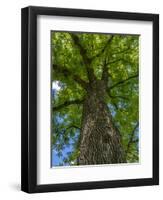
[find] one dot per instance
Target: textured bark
(100, 141)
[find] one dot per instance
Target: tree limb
(73, 126)
(83, 51)
(68, 103)
(123, 81)
(114, 61)
(105, 74)
(117, 60)
(123, 51)
(86, 59)
(104, 48)
(117, 96)
(64, 71)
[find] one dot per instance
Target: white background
(10, 78)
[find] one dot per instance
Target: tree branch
(73, 126)
(104, 48)
(83, 52)
(123, 81)
(117, 60)
(105, 74)
(68, 103)
(117, 96)
(86, 59)
(64, 71)
(123, 51)
(114, 61)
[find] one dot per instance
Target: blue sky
(56, 160)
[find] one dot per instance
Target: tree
(95, 111)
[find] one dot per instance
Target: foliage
(69, 73)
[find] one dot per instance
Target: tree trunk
(100, 141)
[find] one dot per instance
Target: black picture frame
(29, 99)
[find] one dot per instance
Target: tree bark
(100, 141)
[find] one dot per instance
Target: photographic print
(94, 98)
(89, 99)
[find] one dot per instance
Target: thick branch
(86, 59)
(83, 51)
(65, 72)
(116, 96)
(104, 48)
(123, 81)
(68, 103)
(105, 74)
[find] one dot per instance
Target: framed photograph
(90, 99)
